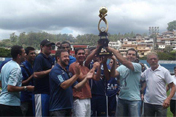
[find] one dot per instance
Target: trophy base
(103, 52)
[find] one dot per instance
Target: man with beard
(130, 73)
(61, 84)
(11, 78)
(27, 72)
(42, 67)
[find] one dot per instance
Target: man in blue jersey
(42, 67)
(130, 73)
(98, 87)
(61, 84)
(112, 91)
(99, 92)
(27, 72)
(11, 78)
(66, 45)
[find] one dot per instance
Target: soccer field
(169, 114)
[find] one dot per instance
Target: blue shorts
(41, 105)
(98, 105)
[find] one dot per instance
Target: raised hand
(113, 57)
(96, 65)
(112, 50)
(90, 74)
(109, 49)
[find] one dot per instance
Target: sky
(78, 17)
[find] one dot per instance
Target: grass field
(169, 114)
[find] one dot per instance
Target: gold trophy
(103, 33)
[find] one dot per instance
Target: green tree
(13, 38)
(168, 49)
(22, 39)
(5, 52)
(6, 43)
(171, 26)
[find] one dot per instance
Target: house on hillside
(143, 49)
(114, 44)
(123, 49)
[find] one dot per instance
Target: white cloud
(5, 34)
(81, 16)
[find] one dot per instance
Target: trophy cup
(103, 33)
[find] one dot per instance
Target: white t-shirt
(156, 85)
(174, 79)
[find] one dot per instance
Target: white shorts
(81, 108)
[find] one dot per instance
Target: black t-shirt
(42, 63)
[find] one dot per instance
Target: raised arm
(114, 72)
(105, 71)
(122, 60)
(97, 66)
(91, 56)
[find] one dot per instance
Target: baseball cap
(46, 42)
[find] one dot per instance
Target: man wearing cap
(42, 66)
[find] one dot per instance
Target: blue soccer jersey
(60, 98)
(27, 71)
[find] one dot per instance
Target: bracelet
(25, 88)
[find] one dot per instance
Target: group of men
(156, 77)
(68, 85)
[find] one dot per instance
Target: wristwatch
(25, 88)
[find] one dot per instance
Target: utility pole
(153, 32)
